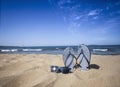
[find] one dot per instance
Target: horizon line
(54, 45)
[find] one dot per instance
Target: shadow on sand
(94, 66)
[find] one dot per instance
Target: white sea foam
(14, 50)
(32, 50)
(57, 48)
(100, 50)
(9, 50)
(6, 50)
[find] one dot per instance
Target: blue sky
(59, 22)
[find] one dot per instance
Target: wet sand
(32, 70)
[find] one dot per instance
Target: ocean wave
(9, 50)
(103, 50)
(26, 50)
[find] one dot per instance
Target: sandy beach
(33, 70)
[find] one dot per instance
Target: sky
(59, 22)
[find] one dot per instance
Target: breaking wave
(103, 50)
(9, 50)
(31, 50)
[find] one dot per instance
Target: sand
(33, 70)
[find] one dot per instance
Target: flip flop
(84, 58)
(68, 57)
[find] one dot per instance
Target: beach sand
(33, 70)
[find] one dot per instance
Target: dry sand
(32, 70)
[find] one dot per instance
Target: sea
(94, 49)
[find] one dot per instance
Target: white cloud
(61, 3)
(78, 17)
(93, 12)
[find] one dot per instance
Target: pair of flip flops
(82, 59)
(58, 69)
